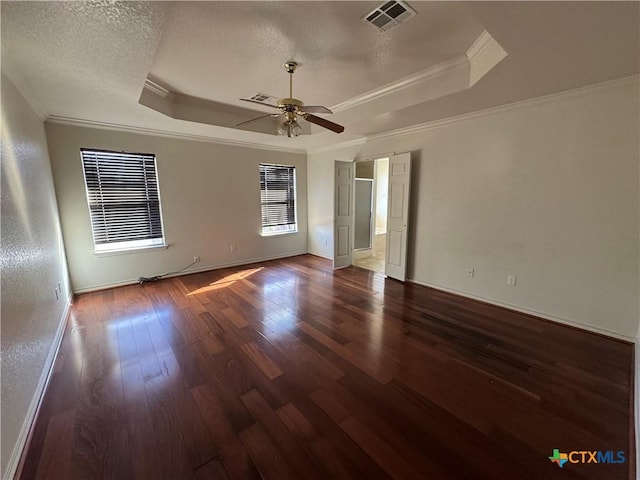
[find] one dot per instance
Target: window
(278, 198)
(124, 200)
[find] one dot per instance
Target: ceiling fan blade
(334, 127)
(316, 109)
(259, 103)
(257, 118)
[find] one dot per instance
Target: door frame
(371, 217)
(407, 226)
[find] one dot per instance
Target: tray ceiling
(88, 62)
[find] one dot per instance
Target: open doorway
(370, 214)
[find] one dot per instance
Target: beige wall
(210, 196)
(546, 191)
(32, 266)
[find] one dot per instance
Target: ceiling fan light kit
(293, 109)
(289, 129)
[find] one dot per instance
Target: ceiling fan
(292, 109)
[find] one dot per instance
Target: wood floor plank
(350, 454)
(330, 405)
(146, 353)
(144, 454)
(233, 454)
(377, 449)
(297, 458)
(128, 352)
(377, 371)
(200, 446)
(172, 458)
(161, 345)
(234, 317)
(225, 374)
(212, 344)
(213, 326)
(289, 369)
(262, 361)
(316, 446)
(99, 448)
(212, 470)
(54, 463)
(268, 459)
(297, 351)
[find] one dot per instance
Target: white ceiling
(88, 62)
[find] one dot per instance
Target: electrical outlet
(196, 259)
(232, 247)
(511, 280)
(471, 272)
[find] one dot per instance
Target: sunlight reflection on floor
(226, 281)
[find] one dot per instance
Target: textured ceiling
(71, 52)
(89, 61)
(226, 50)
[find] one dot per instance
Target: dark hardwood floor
(288, 370)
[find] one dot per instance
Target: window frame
(274, 230)
(131, 245)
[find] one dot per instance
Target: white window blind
(124, 199)
(278, 198)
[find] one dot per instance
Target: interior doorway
(370, 214)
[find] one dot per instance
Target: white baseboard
(217, 266)
(564, 321)
(321, 255)
(34, 406)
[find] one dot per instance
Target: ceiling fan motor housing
(290, 104)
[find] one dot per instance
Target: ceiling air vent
(389, 15)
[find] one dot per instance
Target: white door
(398, 216)
(343, 215)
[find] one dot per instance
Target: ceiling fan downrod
(290, 67)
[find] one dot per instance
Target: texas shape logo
(559, 458)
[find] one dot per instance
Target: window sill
(126, 251)
(277, 234)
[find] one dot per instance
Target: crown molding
(483, 55)
(422, 127)
(577, 92)
(404, 83)
(77, 122)
(573, 93)
(157, 89)
(484, 41)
